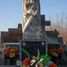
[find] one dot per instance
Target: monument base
(34, 48)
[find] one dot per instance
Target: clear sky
(11, 11)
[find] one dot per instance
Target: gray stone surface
(32, 21)
(1, 58)
(8, 66)
(62, 65)
(33, 31)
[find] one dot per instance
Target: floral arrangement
(11, 52)
(55, 52)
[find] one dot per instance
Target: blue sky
(11, 11)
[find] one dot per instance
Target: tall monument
(31, 20)
(33, 36)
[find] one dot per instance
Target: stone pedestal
(34, 48)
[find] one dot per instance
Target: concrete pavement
(8, 66)
(62, 65)
(1, 58)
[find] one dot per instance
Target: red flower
(50, 51)
(60, 50)
(7, 51)
(26, 62)
(52, 65)
(16, 51)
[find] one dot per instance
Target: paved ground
(1, 58)
(16, 66)
(62, 65)
(7, 66)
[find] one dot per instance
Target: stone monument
(32, 20)
(33, 38)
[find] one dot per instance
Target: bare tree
(60, 23)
